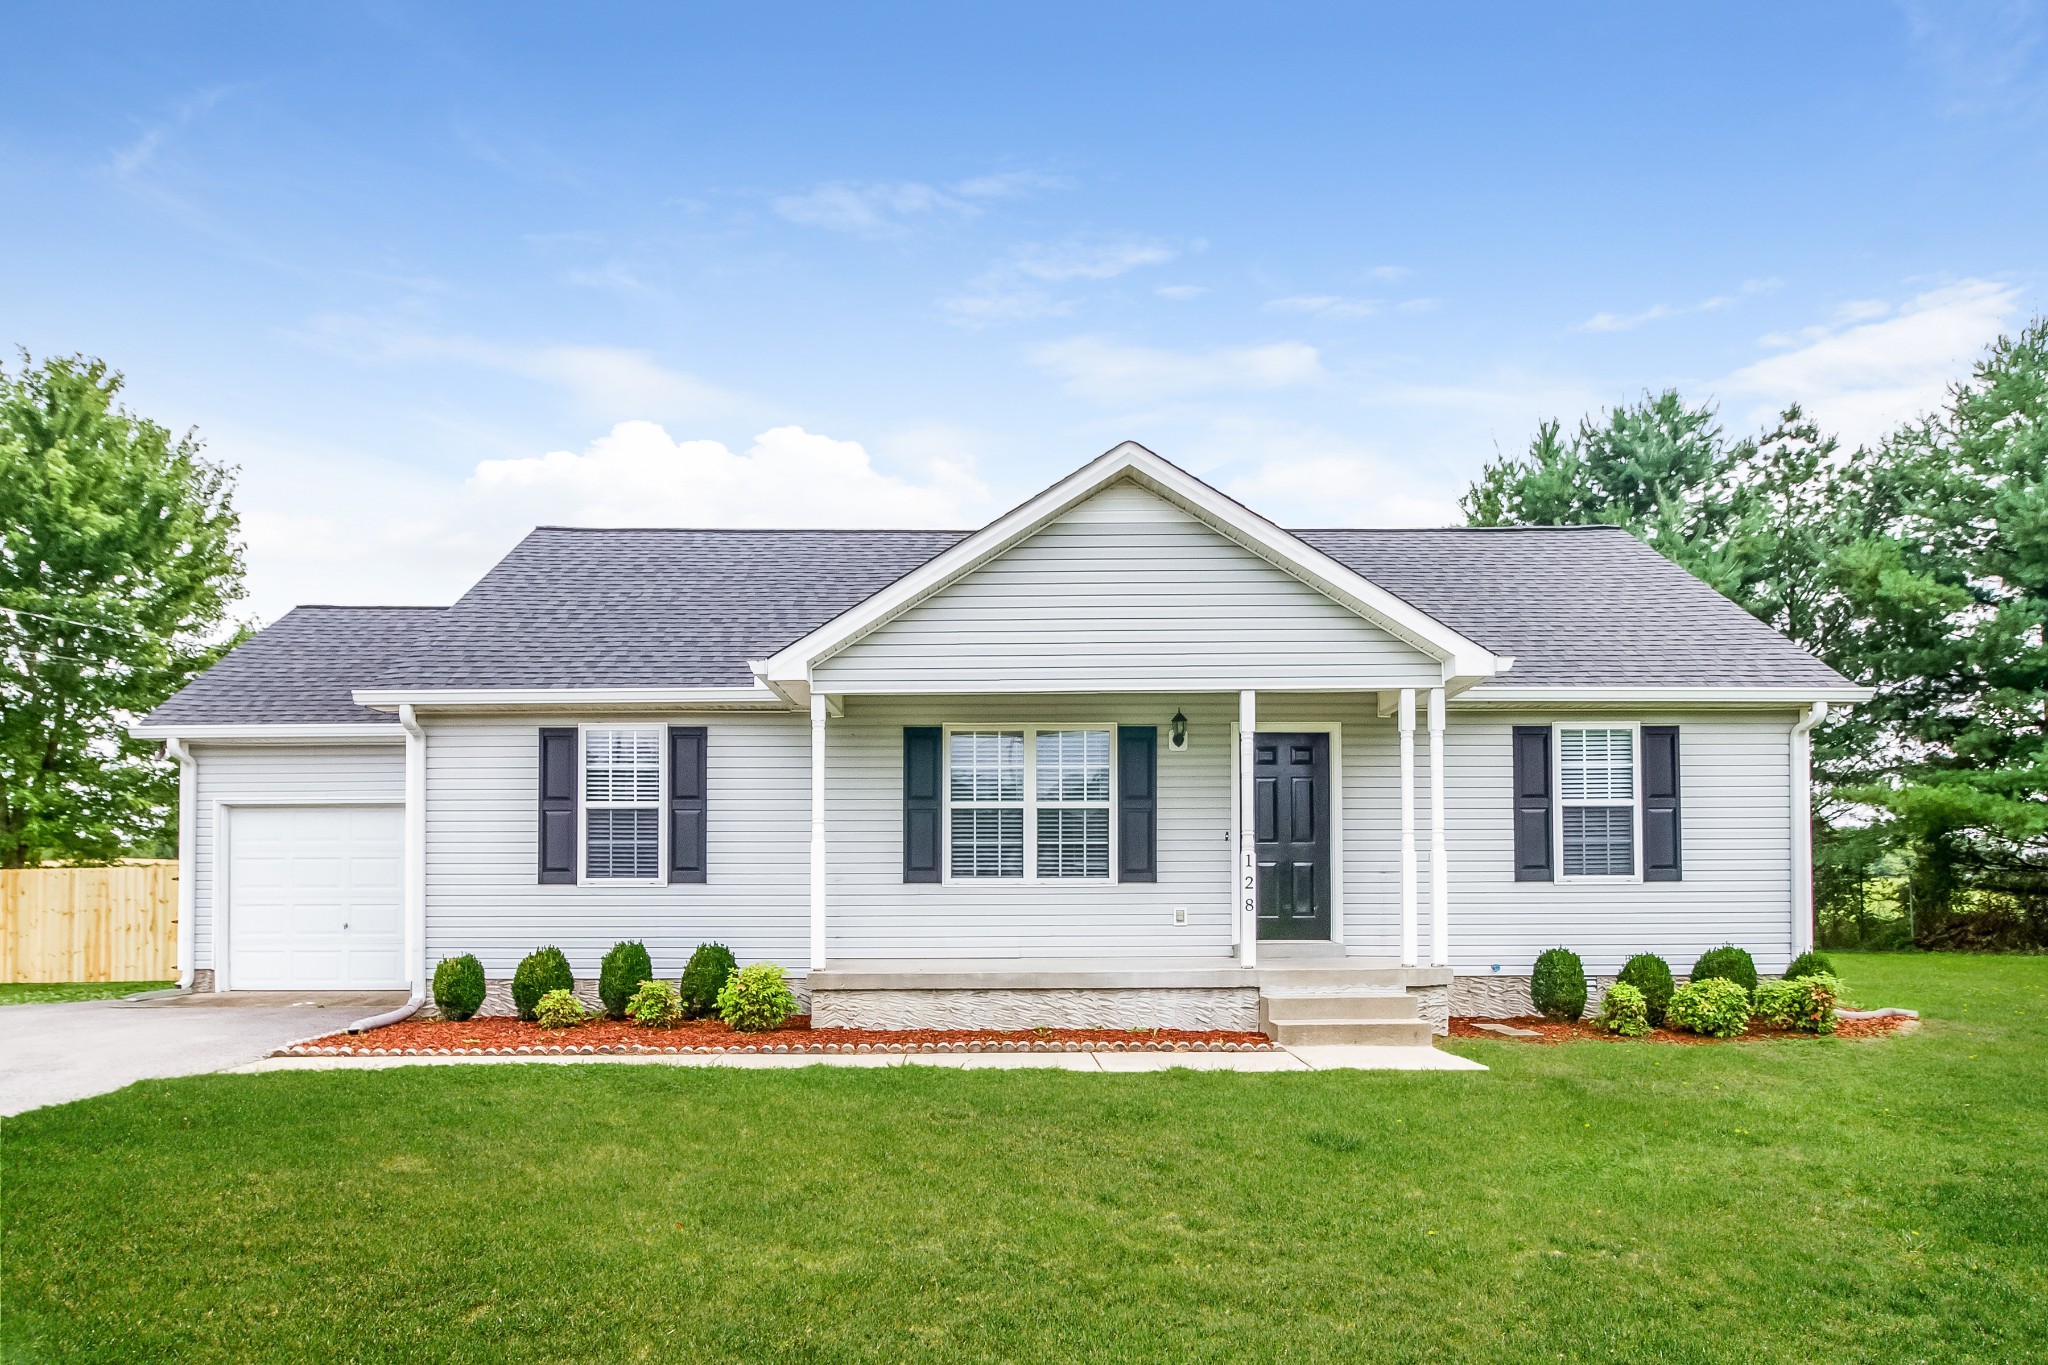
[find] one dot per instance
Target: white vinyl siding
(482, 892)
(875, 915)
(1126, 592)
(1736, 827)
(282, 773)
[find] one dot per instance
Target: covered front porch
(1131, 860)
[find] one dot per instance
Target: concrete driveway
(52, 1054)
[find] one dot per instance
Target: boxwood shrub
(1558, 985)
(1714, 1006)
(1728, 963)
(705, 977)
(1624, 1011)
(538, 973)
(1809, 963)
(1651, 975)
(459, 987)
(623, 969)
(756, 999)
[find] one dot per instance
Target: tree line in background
(1919, 568)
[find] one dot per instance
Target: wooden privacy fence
(115, 923)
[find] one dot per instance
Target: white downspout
(1245, 884)
(188, 874)
(1406, 722)
(415, 878)
(1802, 827)
(1439, 859)
(819, 711)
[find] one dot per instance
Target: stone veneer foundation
(1017, 1008)
(1507, 997)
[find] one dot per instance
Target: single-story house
(1129, 755)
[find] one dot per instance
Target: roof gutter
(556, 698)
(415, 878)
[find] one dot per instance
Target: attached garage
(315, 897)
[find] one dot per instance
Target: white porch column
(817, 831)
(1245, 881)
(1439, 863)
(1801, 813)
(1408, 871)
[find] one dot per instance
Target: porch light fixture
(1177, 736)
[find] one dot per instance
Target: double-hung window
(1597, 800)
(1030, 804)
(622, 804)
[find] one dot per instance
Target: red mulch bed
(501, 1035)
(1587, 1031)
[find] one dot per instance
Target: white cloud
(1389, 274)
(1085, 258)
(327, 525)
(639, 475)
(1107, 372)
(604, 380)
(1300, 474)
(1861, 377)
(1325, 306)
(885, 208)
(1181, 292)
(1009, 290)
(1628, 322)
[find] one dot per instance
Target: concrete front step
(1337, 978)
(1377, 1005)
(1384, 1032)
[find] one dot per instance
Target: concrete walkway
(53, 1054)
(1280, 1059)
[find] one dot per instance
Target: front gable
(1125, 591)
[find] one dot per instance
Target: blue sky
(430, 274)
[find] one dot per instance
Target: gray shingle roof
(572, 607)
(301, 669)
(1577, 605)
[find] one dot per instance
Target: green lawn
(1801, 1201)
(63, 992)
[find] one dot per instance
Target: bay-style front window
(1027, 803)
(1596, 790)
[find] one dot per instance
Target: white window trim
(583, 877)
(1635, 730)
(1031, 803)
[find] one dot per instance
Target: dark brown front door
(1291, 822)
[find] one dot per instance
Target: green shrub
(558, 1009)
(654, 1005)
(623, 969)
(1727, 963)
(537, 974)
(459, 987)
(1809, 963)
(705, 977)
(1651, 975)
(756, 999)
(1624, 1011)
(1558, 985)
(1714, 1006)
(1805, 1003)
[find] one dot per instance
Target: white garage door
(314, 898)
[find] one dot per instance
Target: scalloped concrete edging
(301, 1049)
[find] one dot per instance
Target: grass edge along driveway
(1808, 1200)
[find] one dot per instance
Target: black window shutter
(1137, 803)
(688, 859)
(1662, 847)
(558, 760)
(922, 809)
(1532, 803)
